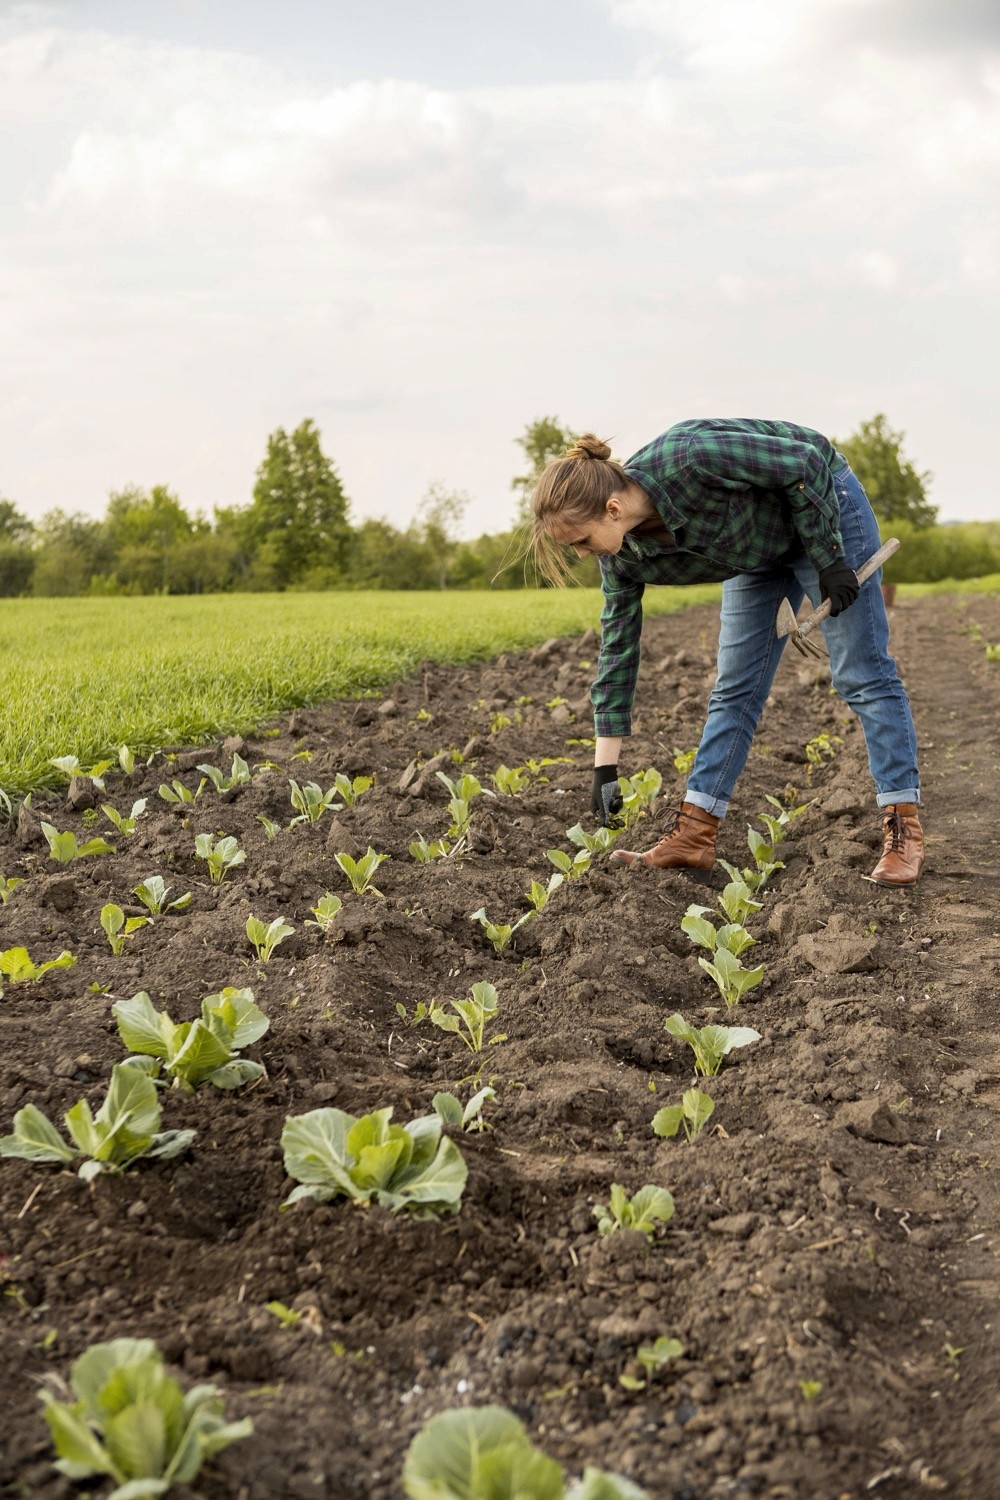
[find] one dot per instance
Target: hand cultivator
(788, 625)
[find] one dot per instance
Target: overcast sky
(425, 224)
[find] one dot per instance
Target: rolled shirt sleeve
(618, 667)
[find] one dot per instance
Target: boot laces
(895, 831)
(673, 826)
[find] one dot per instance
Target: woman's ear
(613, 507)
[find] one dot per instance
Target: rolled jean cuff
(889, 799)
(717, 806)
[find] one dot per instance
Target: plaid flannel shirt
(736, 494)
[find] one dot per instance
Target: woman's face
(600, 537)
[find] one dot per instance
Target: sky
(425, 225)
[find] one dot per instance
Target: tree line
(296, 532)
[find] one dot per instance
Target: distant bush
(934, 553)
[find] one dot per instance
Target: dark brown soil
(839, 1226)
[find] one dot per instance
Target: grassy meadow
(83, 676)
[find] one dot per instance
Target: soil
(836, 1223)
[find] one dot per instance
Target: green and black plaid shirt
(735, 493)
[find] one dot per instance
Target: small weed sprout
(648, 1207)
(538, 895)
(324, 912)
(286, 1316)
(360, 871)
(311, 802)
(810, 1389)
(993, 651)
(70, 767)
(125, 824)
(684, 760)
(220, 857)
(8, 887)
(64, 847)
(270, 827)
(153, 892)
(351, 790)
(653, 1358)
(17, 966)
(466, 1117)
(425, 853)
(819, 746)
(692, 1114)
(510, 781)
(499, 933)
(264, 939)
(178, 794)
(239, 775)
(710, 1044)
(118, 927)
(474, 1013)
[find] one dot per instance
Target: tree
(896, 491)
(69, 552)
(542, 441)
(297, 524)
(440, 515)
(17, 562)
(14, 527)
(145, 529)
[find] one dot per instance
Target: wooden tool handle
(865, 571)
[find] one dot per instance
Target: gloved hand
(839, 584)
(605, 794)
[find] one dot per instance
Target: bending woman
(773, 511)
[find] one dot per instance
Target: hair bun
(589, 446)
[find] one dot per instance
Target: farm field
(82, 675)
(831, 1265)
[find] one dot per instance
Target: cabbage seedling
(645, 1209)
(729, 974)
(499, 933)
(653, 1357)
(220, 857)
(712, 1043)
(271, 829)
(510, 781)
(8, 887)
(571, 868)
(64, 847)
(266, 939)
(594, 843)
(126, 759)
(239, 775)
(124, 823)
(311, 802)
(324, 912)
(351, 790)
(194, 1052)
(133, 1423)
(684, 760)
(126, 1126)
(693, 1112)
(737, 901)
(360, 871)
(474, 1013)
(705, 935)
(70, 767)
(152, 892)
(483, 1453)
(16, 965)
(409, 1168)
(424, 853)
(469, 1117)
(286, 1316)
(639, 792)
(178, 793)
(538, 895)
(118, 927)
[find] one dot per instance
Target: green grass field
(83, 676)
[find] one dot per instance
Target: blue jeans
(864, 674)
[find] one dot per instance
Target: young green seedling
(684, 760)
(239, 775)
(271, 829)
(425, 853)
(126, 1126)
(126, 759)
(324, 912)
(510, 781)
(810, 1389)
(194, 1052)
(351, 790)
(729, 974)
(710, 1044)
(648, 1207)
(538, 895)
(133, 1424)
(421, 1012)
(653, 1358)
(404, 1168)
(462, 792)
(571, 868)
(817, 747)
(179, 794)
(468, 1117)
(70, 767)
(286, 1316)
(737, 901)
(220, 857)
(17, 966)
(499, 933)
(594, 843)
(153, 891)
(360, 871)
(693, 1113)
(124, 823)
(311, 802)
(8, 887)
(704, 934)
(474, 1013)
(264, 939)
(64, 847)
(639, 792)
(118, 927)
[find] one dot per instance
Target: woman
(775, 511)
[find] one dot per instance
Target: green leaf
(136, 1438)
(35, 1138)
(667, 1121)
(140, 1489)
(94, 1368)
(698, 929)
(199, 1055)
(439, 1185)
(315, 1149)
(78, 1446)
(83, 1129)
(171, 1143)
(233, 1075)
(650, 1205)
(142, 1027)
(448, 1107)
(235, 1009)
(444, 1459)
(698, 1108)
(597, 1485)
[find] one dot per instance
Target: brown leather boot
(688, 844)
(902, 848)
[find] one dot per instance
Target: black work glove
(839, 584)
(605, 794)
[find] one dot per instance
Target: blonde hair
(574, 488)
